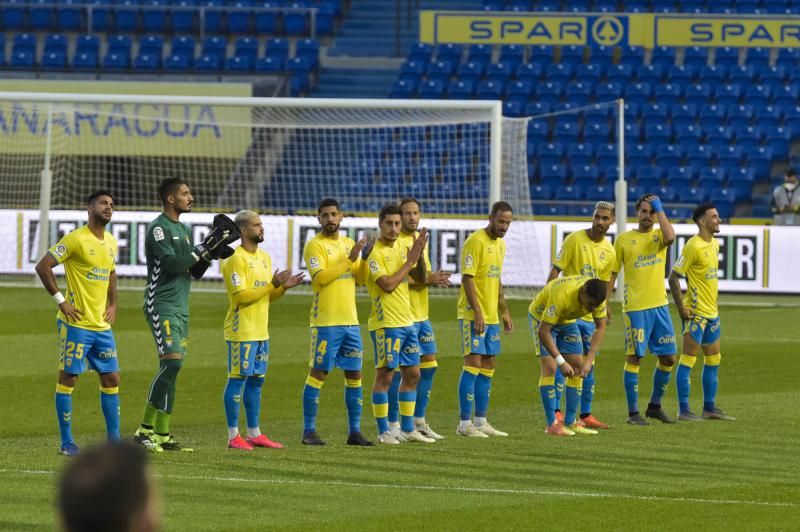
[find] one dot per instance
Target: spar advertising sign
(752, 258)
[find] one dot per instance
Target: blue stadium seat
(566, 132)
(25, 43)
(269, 22)
(471, 72)
(553, 175)
(120, 45)
(461, 90)
(154, 20)
(245, 47)
(22, 60)
(548, 92)
(682, 74)
(126, 16)
(761, 211)
(578, 93)
(652, 75)
(569, 193)
(680, 177)
(727, 94)
(580, 153)
(597, 134)
(788, 57)
(638, 93)
(238, 17)
(559, 73)
(621, 74)
(698, 156)
(449, 52)
(183, 16)
(207, 62)
(480, 53)
(656, 133)
(692, 195)
(724, 200)
(758, 57)
(14, 16)
(296, 23)
(668, 94)
(632, 55)
(608, 91)
(639, 155)
(611, 173)
(541, 54)
(785, 95)
(688, 134)
(589, 74)
(585, 176)
(84, 60)
(698, 94)
(711, 116)
(663, 56)
(177, 63)
(513, 108)
(550, 209)
(726, 56)
(602, 56)
(600, 193)
(683, 115)
(512, 54)
(183, 46)
(768, 116)
(529, 72)
(440, 71)
(779, 139)
(740, 115)
(773, 75)
(695, 56)
(212, 16)
(152, 45)
(420, 52)
(499, 72)
(633, 133)
(55, 43)
(401, 89)
(537, 108)
(792, 119)
(712, 178)
(666, 194)
(713, 74)
(550, 153)
(431, 89)
(114, 61)
(68, 18)
(741, 75)
(572, 55)
(741, 181)
(40, 17)
(489, 90)
(650, 174)
(583, 210)
(54, 60)
(538, 132)
(606, 154)
(668, 155)
(719, 137)
(541, 192)
(748, 137)
(144, 61)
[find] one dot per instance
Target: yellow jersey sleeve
(65, 247)
(619, 253)
(234, 271)
(334, 304)
(315, 257)
(388, 309)
(565, 255)
(247, 271)
(685, 260)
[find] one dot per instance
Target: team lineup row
(567, 318)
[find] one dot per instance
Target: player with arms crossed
(698, 263)
(84, 319)
(589, 253)
(559, 346)
(171, 263)
(643, 254)
(334, 264)
(251, 286)
(481, 306)
(391, 324)
(418, 294)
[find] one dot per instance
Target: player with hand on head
(251, 286)
(481, 306)
(588, 253)
(334, 264)
(85, 316)
(699, 311)
(643, 254)
(391, 324)
(172, 261)
(418, 294)
(559, 346)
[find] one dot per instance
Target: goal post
(279, 156)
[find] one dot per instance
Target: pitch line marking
(463, 489)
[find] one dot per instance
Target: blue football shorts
(80, 350)
(587, 331)
(472, 343)
(248, 358)
(395, 346)
(650, 328)
(425, 337)
(567, 338)
(704, 331)
(336, 346)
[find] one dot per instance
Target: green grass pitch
(707, 476)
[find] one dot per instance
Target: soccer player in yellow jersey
(589, 253)
(481, 306)
(699, 312)
(391, 324)
(334, 264)
(251, 286)
(643, 254)
(418, 294)
(558, 345)
(85, 339)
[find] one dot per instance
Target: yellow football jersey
(88, 263)
(644, 257)
(557, 303)
(580, 255)
(482, 258)
(699, 263)
(244, 271)
(334, 303)
(418, 295)
(388, 310)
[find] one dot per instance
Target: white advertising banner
(752, 258)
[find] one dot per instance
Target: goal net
(276, 156)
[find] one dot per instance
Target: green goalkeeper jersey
(168, 248)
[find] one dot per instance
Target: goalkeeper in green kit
(172, 261)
